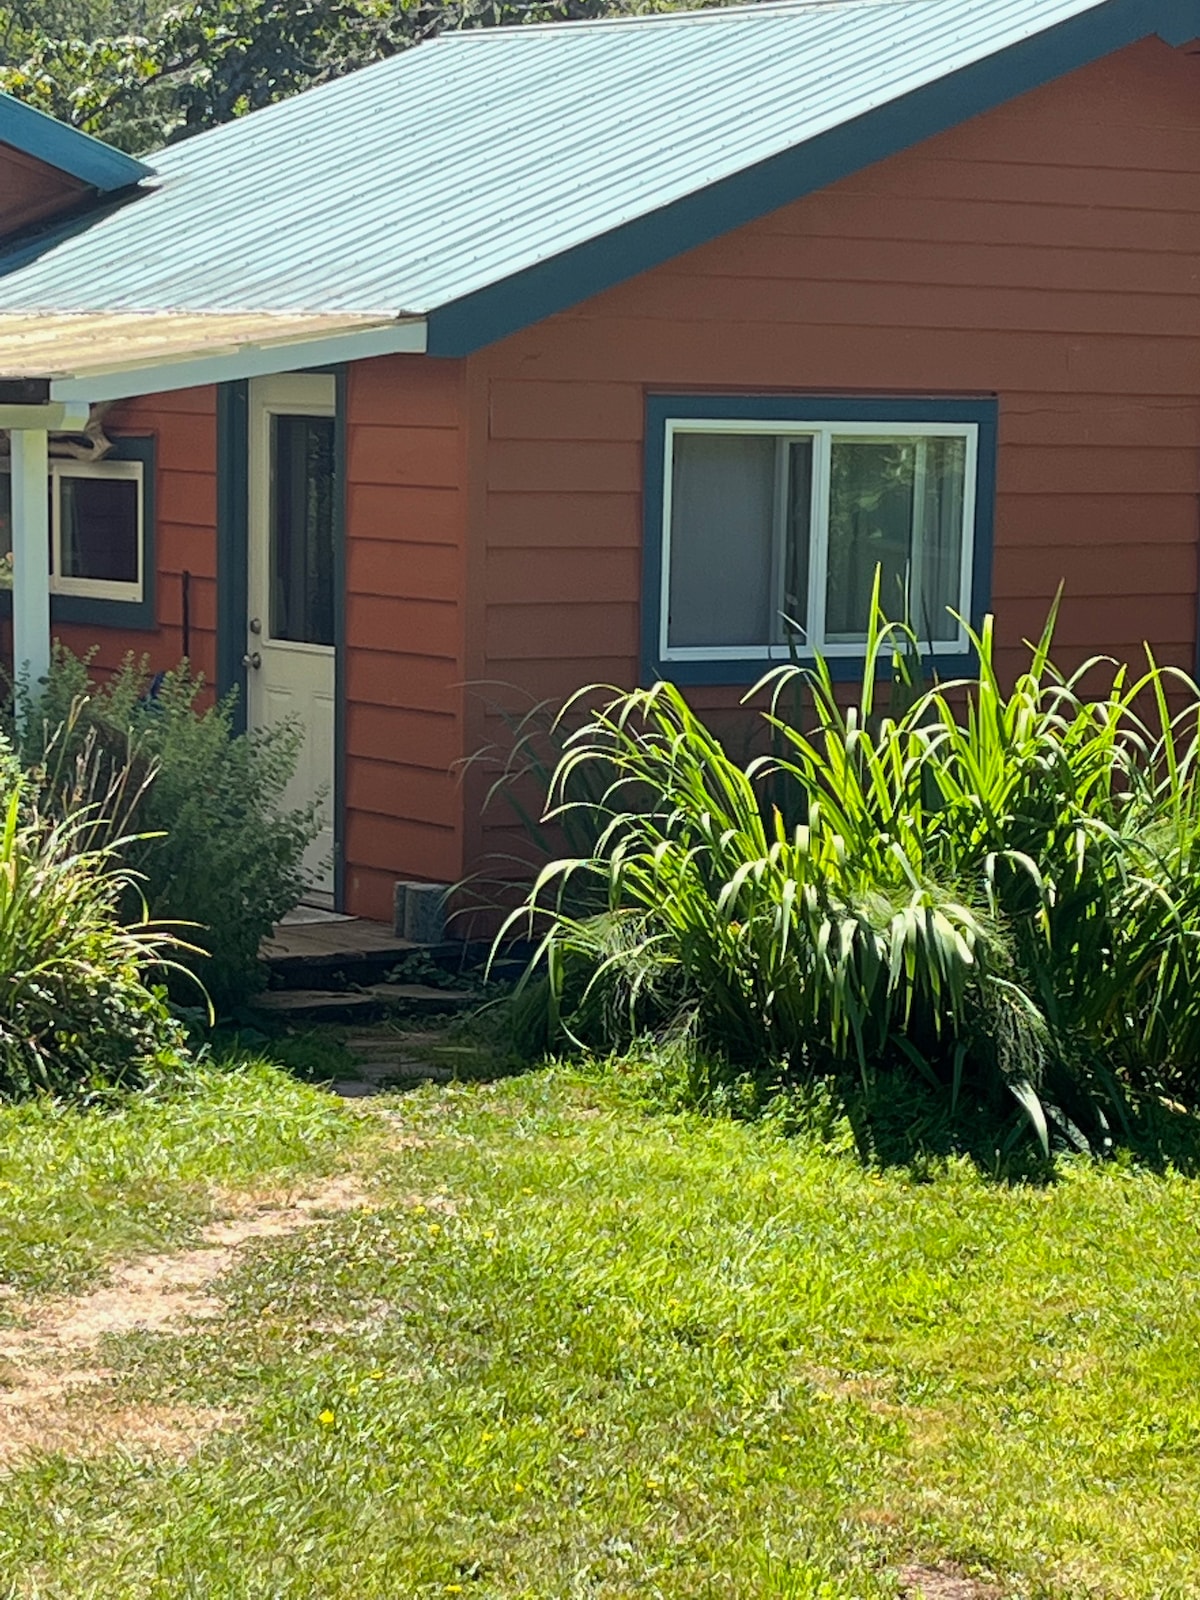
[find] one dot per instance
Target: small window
(96, 529)
(773, 527)
(98, 526)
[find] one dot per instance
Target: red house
(544, 355)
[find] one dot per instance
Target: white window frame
(96, 588)
(822, 434)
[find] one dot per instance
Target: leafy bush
(997, 891)
(76, 1011)
(208, 827)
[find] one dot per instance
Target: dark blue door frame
(233, 580)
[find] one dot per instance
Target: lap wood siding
(183, 427)
(31, 191)
(1047, 253)
(405, 588)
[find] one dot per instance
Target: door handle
(252, 659)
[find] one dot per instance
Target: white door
(292, 589)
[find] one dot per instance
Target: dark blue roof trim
(65, 148)
(528, 297)
(768, 408)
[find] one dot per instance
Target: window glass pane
(939, 555)
(99, 528)
(721, 582)
(895, 504)
(302, 529)
(799, 539)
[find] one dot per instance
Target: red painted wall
(405, 582)
(183, 426)
(31, 191)
(1047, 253)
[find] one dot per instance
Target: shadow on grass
(905, 1124)
(895, 1121)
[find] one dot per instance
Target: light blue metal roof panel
(66, 149)
(482, 157)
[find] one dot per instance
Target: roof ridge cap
(717, 12)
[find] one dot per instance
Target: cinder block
(400, 907)
(425, 912)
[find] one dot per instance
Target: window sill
(84, 610)
(746, 673)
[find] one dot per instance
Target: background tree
(141, 76)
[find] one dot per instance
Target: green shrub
(76, 1010)
(225, 851)
(998, 891)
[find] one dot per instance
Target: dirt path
(54, 1395)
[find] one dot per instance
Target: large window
(768, 519)
(100, 515)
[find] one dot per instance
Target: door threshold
(306, 914)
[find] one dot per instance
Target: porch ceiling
(108, 355)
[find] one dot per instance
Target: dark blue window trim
(123, 613)
(233, 578)
(66, 148)
(233, 509)
(527, 297)
(770, 408)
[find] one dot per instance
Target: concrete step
(377, 1000)
(423, 999)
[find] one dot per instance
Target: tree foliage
(140, 77)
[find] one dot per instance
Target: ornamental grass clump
(997, 890)
(79, 1010)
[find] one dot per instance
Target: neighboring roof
(489, 178)
(66, 149)
(90, 356)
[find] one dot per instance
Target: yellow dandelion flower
(327, 1419)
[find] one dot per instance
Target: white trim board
(246, 361)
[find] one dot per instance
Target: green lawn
(580, 1351)
(78, 1189)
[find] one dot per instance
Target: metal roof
(66, 149)
(489, 177)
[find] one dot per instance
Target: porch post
(31, 555)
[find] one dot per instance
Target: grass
(79, 1188)
(578, 1350)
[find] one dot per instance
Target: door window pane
(895, 505)
(721, 578)
(302, 483)
(99, 528)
